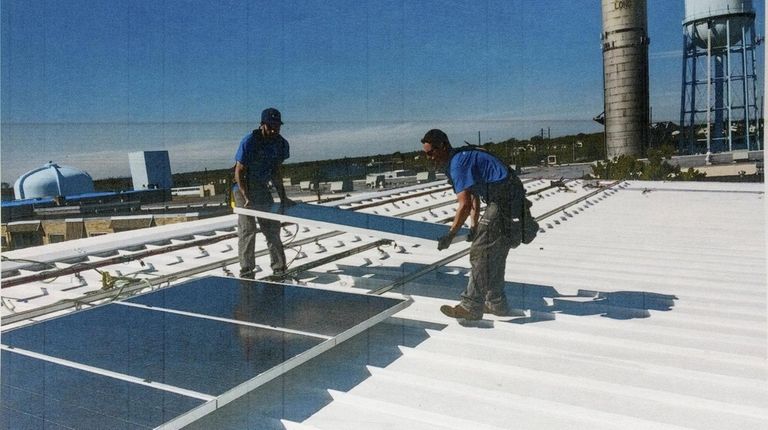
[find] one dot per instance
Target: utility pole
(573, 151)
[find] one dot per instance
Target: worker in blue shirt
(477, 175)
(258, 163)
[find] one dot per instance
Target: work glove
(444, 242)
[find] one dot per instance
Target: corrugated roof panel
(643, 310)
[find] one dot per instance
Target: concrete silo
(718, 108)
(625, 73)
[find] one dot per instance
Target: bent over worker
(258, 163)
(477, 175)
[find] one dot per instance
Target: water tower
(718, 107)
(625, 74)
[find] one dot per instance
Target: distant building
(23, 234)
(428, 176)
(195, 191)
(36, 222)
(150, 170)
(52, 180)
(7, 191)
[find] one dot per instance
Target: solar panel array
(173, 355)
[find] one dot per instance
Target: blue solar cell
(193, 353)
(39, 394)
(289, 306)
(356, 220)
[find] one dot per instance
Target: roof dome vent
(52, 180)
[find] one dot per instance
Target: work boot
(503, 311)
(460, 312)
(500, 310)
(247, 274)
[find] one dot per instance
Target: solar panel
(401, 229)
(173, 355)
(43, 394)
(298, 309)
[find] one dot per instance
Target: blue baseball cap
(271, 116)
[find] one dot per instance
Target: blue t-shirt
(261, 155)
(475, 170)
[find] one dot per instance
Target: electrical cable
(24, 260)
(288, 242)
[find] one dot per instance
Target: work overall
(259, 195)
(498, 230)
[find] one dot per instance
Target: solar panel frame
(399, 229)
(233, 392)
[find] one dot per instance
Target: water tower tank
(719, 109)
(703, 14)
(52, 180)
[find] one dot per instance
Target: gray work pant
(488, 256)
(246, 243)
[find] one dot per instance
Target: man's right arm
(464, 200)
(240, 171)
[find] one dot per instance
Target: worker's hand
(444, 242)
(472, 234)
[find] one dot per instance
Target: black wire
(293, 237)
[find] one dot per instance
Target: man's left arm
(277, 181)
(474, 217)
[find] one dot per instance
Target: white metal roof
(642, 306)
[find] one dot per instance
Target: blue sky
(86, 82)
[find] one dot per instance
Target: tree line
(537, 150)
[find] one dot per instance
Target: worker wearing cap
(476, 174)
(258, 163)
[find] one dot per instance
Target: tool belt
(519, 225)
